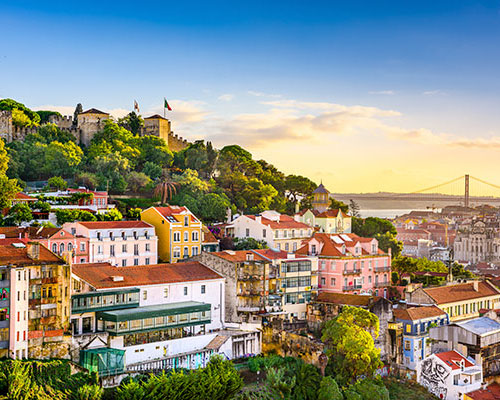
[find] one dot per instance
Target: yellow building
(178, 231)
(321, 198)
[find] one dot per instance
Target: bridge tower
(466, 197)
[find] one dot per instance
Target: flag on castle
(167, 106)
(136, 106)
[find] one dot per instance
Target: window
(203, 287)
(195, 251)
(70, 246)
(332, 282)
(147, 262)
(136, 261)
(111, 236)
(323, 264)
(82, 246)
(294, 246)
(186, 252)
(146, 234)
(407, 344)
(323, 281)
(54, 248)
(99, 237)
(145, 295)
(165, 292)
(279, 246)
(112, 250)
(177, 252)
(313, 249)
(185, 291)
(124, 263)
(99, 249)
(136, 249)
(286, 246)
(61, 248)
(263, 233)
(186, 236)
(186, 220)
(247, 232)
(148, 247)
(194, 236)
(177, 236)
(135, 235)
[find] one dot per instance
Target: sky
(364, 96)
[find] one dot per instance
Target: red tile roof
(25, 197)
(461, 292)
(315, 212)
(285, 222)
(331, 214)
(492, 392)
(452, 359)
(19, 256)
(208, 236)
(417, 313)
(115, 224)
(332, 249)
(100, 275)
(238, 255)
(276, 255)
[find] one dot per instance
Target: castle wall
(6, 126)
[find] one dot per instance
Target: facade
(89, 123)
(35, 302)
(349, 264)
(120, 243)
(460, 301)
(250, 283)
(209, 242)
(416, 322)
(296, 281)
(449, 375)
(327, 306)
(156, 125)
(478, 338)
(279, 231)
(334, 221)
(477, 242)
(152, 317)
(178, 229)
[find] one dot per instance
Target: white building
(449, 375)
(279, 231)
(121, 243)
(169, 315)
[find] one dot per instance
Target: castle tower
(321, 198)
(156, 125)
(89, 123)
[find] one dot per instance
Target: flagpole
(164, 109)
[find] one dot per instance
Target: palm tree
(166, 188)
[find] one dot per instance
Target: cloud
(183, 111)
(226, 97)
(262, 94)
(384, 92)
(436, 92)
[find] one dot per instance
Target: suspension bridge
(464, 190)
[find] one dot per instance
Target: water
(387, 213)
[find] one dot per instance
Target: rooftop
(284, 222)
(480, 326)
(461, 292)
(417, 313)
(453, 358)
(238, 255)
(115, 224)
(101, 275)
(12, 254)
(332, 214)
(491, 392)
(321, 189)
(94, 111)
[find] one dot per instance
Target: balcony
(383, 269)
(53, 279)
(351, 271)
(103, 301)
(154, 318)
(351, 287)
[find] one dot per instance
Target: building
(120, 243)
(34, 303)
(72, 248)
(459, 301)
(89, 123)
(449, 375)
(296, 281)
(156, 125)
(152, 317)
(349, 264)
(334, 221)
(209, 242)
(250, 287)
(178, 229)
(478, 241)
(327, 306)
(416, 322)
(491, 392)
(321, 199)
(478, 338)
(279, 231)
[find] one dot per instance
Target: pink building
(121, 243)
(57, 240)
(349, 263)
(99, 199)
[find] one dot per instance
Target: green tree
(62, 158)
(298, 187)
(134, 213)
(381, 229)
(329, 390)
(281, 386)
(52, 133)
(370, 389)
(57, 183)
(354, 208)
(307, 379)
(8, 187)
(78, 110)
(132, 122)
(11, 105)
(87, 179)
(138, 181)
(337, 204)
(45, 115)
(154, 171)
(131, 390)
(20, 119)
(18, 213)
(249, 244)
(112, 215)
(212, 207)
(349, 339)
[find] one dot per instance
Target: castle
(88, 123)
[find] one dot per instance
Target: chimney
(476, 286)
(33, 250)
(258, 219)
